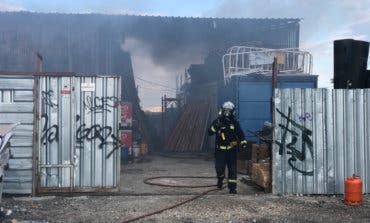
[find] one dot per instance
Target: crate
(261, 174)
(264, 152)
(260, 152)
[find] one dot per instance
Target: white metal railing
(242, 60)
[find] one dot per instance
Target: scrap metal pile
(5, 136)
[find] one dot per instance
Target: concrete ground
(136, 198)
(134, 174)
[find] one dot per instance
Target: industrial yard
(231, 112)
(215, 208)
(136, 198)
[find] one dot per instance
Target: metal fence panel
(79, 133)
(77, 129)
(16, 105)
(321, 136)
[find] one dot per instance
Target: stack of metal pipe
(190, 131)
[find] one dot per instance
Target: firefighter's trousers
(226, 158)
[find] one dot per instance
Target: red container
(353, 191)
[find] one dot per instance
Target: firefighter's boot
(219, 183)
(232, 191)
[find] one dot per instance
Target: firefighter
(228, 137)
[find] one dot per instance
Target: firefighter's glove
(243, 144)
(217, 124)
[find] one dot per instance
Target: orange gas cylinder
(353, 191)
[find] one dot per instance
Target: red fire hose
(148, 181)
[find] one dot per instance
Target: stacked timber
(254, 156)
(191, 128)
(259, 165)
(260, 152)
(264, 152)
(261, 174)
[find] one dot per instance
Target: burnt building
(92, 43)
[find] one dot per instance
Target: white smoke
(156, 77)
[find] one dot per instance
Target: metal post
(165, 119)
(40, 66)
(36, 180)
(274, 73)
(274, 85)
(162, 121)
(39, 61)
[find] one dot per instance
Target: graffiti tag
(296, 154)
(305, 117)
(51, 134)
(47, 98)
(101, 104)
(97, 132)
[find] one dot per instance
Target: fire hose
(149, 182)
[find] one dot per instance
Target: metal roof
(244, 19)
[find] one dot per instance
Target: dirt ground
(136, 198)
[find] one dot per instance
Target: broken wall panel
(16, 105)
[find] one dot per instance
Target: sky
(323, 21)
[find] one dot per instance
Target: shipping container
(321, 136)
(68, 139)
(252, 95)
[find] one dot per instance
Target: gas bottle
(353, 190)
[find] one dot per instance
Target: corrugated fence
(16, 105)
(68, 137)
(79, 133)
(321, 137)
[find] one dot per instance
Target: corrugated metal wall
(321, 137)
(79, 133)
(16, 105)
(77, 144)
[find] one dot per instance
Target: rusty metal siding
(332, 126)
(79, 133)
(16, 105)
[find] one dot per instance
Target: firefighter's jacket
(228, 133)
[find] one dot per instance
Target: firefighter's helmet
(228, 109)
